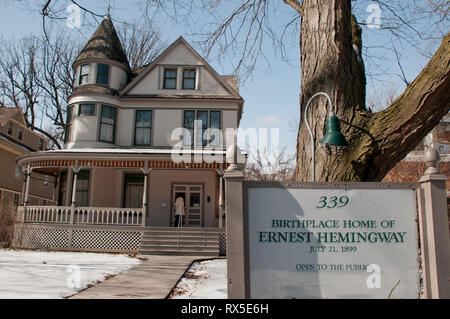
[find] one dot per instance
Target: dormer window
(102, 74)
(84, 74)
(170, 79)
(20, 134)
(41, 144)
(10, 128)
(189, 79)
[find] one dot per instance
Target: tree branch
(295, 5)
(394, 132)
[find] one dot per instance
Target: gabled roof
(104, 44)
(154, 63)
(11, 113)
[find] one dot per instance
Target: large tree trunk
(331, 62)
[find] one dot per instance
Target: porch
(120, 201)
(116, 188)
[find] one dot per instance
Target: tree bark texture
(330, 45)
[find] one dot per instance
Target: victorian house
(136, 140)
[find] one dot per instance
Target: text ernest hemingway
(351, 235)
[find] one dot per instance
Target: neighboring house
(116, 166)
(16, 140)
(411, 168)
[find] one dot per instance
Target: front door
(193, 203)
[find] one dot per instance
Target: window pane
(10, 128)
(170, 79)
(201, 138)
(189, 79)
(143, 128)
(87, 109)
(143, 118)
(82, 195)
(215, 119)
(84, 74)
(170, 83)
(20, 133)
(170, 73)
(189, 125)
(134, 189)
(215, 125)
(108, 123)
(102, 73)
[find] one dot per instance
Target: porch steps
(187, 241)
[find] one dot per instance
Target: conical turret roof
(104, 44)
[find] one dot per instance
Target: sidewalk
(152, 279)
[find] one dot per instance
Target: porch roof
(123, 158)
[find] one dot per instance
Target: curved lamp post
(333, 140)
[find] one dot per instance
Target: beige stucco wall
(165, 122)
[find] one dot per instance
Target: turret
(102, 66)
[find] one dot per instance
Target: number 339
(333, 202)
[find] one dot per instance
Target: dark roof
(104, 44)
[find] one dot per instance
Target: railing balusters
(84, 215)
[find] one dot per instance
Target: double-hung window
(20, 134)
(202, 120)
(189, 79)
(203, 128)
(170, 79)
(69, 120)
(215, 126)
(82, 194)
(84, 74)
(188, 124)
(107, 124)
(143, 127)
(102, 74)
(10, 128)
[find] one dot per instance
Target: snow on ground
(39, 274)
(204, 280)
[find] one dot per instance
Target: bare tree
(141, 44)
(332, 53)
(276, 166)
(36, 75)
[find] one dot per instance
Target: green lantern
(333, 136)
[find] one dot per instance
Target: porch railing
(83, 215)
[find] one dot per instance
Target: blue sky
(271, 93)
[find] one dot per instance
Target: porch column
(75, 170)
(146, 172)
(221, 197)
(434, 235)
(27, 191)
(237, 236)
(55, 186)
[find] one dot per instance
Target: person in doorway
(179, 211)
